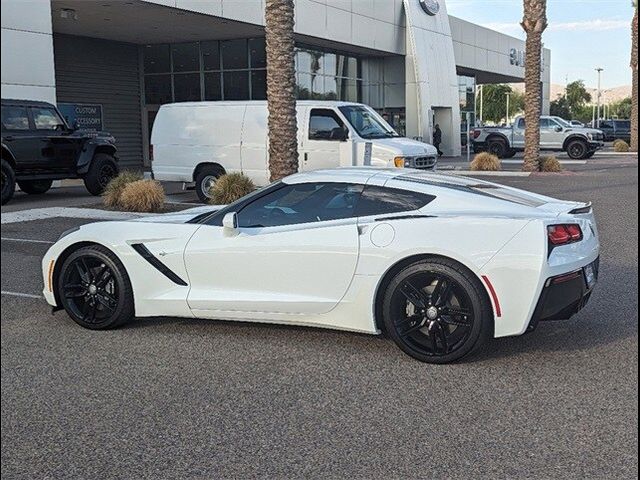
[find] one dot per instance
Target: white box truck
(200, 141)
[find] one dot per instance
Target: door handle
(9, 138)
(306, 157)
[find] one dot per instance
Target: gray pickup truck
(556, 135)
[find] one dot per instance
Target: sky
(582, 35)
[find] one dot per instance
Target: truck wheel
(35, 187)
(8, 182)
(590, 154)
(577, 149)
(510, 153)
(102, 170)
(497, 147)
(205, 179)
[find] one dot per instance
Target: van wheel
(8, 182)
(35, 187)
(206, 178)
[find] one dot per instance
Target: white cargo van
(198, 142)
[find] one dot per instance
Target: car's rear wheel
(95, 290)
(577, 149)
(205, 179)
(497, 147)
(8, 177)
(35, 187)
(102, 170)
(437, 311)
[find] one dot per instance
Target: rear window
(624, 124)
(380, 201)
(15, 118)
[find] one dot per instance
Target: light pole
(599, 70)
(508, 94)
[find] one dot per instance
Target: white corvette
(437, 262)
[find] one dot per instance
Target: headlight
(402, 162)
(68, 232)
(590, 136)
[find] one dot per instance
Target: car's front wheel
(102, 170)
(577, 149)
(437, 311)
(35, 187)
(94, 289)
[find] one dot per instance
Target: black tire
(8, 182)
(437, 311)
(100, 298)
(510, 153)
(35, 187)
(102, 170)
(590, 154)
(497, 147)
(577, 149)
(205, 178)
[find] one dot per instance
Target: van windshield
(367, 123)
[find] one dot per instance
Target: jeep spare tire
(35, 187)
(102, 170)
(8, 182)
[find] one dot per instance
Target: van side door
(326, 131)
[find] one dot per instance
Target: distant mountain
(609, 95)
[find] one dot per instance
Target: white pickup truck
(556, 134)
(198, 142)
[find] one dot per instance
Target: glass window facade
(467, 96)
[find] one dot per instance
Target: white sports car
(437, 262)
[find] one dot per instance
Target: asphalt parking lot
(174, 398)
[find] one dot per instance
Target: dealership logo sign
(431, 7)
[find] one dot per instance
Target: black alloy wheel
(497, 148)
(577, 149)
(95, 290)
(435, 313)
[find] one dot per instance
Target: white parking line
(23, 295)
(26, 240)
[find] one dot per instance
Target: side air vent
(157, 264)
(582, 210)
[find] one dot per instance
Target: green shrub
(486, 162)
(113, 190)
(620, 146)
(142, 196)
(550, 164)
(231, 187)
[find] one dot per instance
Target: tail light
(564, 234)
(476, 133)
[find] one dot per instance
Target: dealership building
(111, 64)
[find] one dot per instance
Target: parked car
(39, 147)
(616, 129)
(440, 263)
(199, 142)
(556, 135)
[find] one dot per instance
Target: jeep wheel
(205, 180)
(35, 187)
(102, 170)
(8, 182)
(497, 147)
(577, 149)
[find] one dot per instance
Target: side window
(325, 124)
(546, 123)
(381, 201)
(15, 118)
(302, 203)
(604, 124)
(521, 124)
(46, 119)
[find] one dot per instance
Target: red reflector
(494, 295)
(566, 278)
(563, 234)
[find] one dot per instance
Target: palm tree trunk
(281, 83)
(634, 83)
(534, 23)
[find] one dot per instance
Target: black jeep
(39, 147)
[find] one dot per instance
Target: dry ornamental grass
(142, 196)
(620, 146)
(231, 187)
(486, 162)
(550, 164)
(113, 191)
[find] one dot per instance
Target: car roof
(222, 103)
(25, 103)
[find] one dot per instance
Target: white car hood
(401, 146)
(180, 217)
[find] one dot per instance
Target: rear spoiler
(582, 210)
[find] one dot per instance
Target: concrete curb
(472, 173)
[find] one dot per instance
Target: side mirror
(230, 221)
(340, 134)
(559, 129)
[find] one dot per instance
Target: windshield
(367, 123)
(563, 122)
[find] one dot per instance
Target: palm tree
(634, 83)
(281, 84)
(534, 23)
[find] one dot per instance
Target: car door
(18, 135)
(59, 150)
(294, 253)
(518, 133)
(326, 132)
